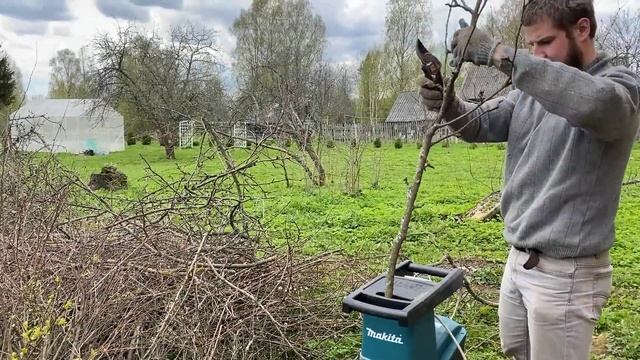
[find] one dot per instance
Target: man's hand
(431, 94)
(479, 51)
(432, 98)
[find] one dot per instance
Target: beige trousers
(549, 312)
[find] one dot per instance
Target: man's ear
(583, 29)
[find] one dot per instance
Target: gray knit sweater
(569, 134)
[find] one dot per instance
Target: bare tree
(372, 88)
(333, 87)
(69, 75)
(504, 22)
(406, 21)
(619, 39)
(276, 69)
(165, 81)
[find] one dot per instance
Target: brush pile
(181, 271)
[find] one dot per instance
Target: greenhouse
(67, 125)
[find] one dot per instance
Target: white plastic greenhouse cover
(67, 125)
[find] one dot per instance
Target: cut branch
(427, 142)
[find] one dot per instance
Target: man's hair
(562, 13)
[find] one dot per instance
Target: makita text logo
(384, 337)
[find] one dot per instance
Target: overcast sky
(32, 31)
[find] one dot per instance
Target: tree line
(281, 72)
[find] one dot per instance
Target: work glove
(480, 49)
(431, 94)
(432, 98)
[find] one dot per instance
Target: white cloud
(21, 27)
(168, 4)
(122, 9)
(61, 30)
(36, 10)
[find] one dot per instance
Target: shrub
(287, 142)
(397, 144)
(473, 146)
(354, 143)
(196, 143)
(445, 144)
(131, 138)
(377, 143)
(331, 144)
(419, 144)
(146, 139)
(501, 146)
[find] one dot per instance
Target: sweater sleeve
(488, 123)
(606, 105)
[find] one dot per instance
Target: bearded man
(569, 126)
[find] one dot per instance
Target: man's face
(547, 41)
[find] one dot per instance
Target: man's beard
(575, 55)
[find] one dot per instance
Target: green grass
(364, 226)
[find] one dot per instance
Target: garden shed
(408, 109)
(407, 116)
(67, 125)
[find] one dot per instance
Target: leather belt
(534, 257)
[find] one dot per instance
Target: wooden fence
(407, 132)
(410, 131)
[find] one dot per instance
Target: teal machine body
(405, 327)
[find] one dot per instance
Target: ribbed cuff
(455, 110)
(506, 62)
(492, 52)
(485, 53)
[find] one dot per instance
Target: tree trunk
(300, 160)
(427, 141)
(322, 177)
(168, 141)
(169, 151)
(286, 175)
(408, 210)
(303, 143)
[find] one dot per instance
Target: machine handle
(452, 279)
(405, 311)
(428, 270)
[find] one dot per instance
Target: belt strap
(533, 259)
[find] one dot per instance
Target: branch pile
(179, 273)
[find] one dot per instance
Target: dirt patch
(599, 345)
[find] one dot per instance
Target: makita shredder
(404, 327)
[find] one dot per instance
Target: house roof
(62, 108)
(408, 108)
(480, 82)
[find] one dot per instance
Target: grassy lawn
(363, 226)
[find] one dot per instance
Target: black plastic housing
(412, 297)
